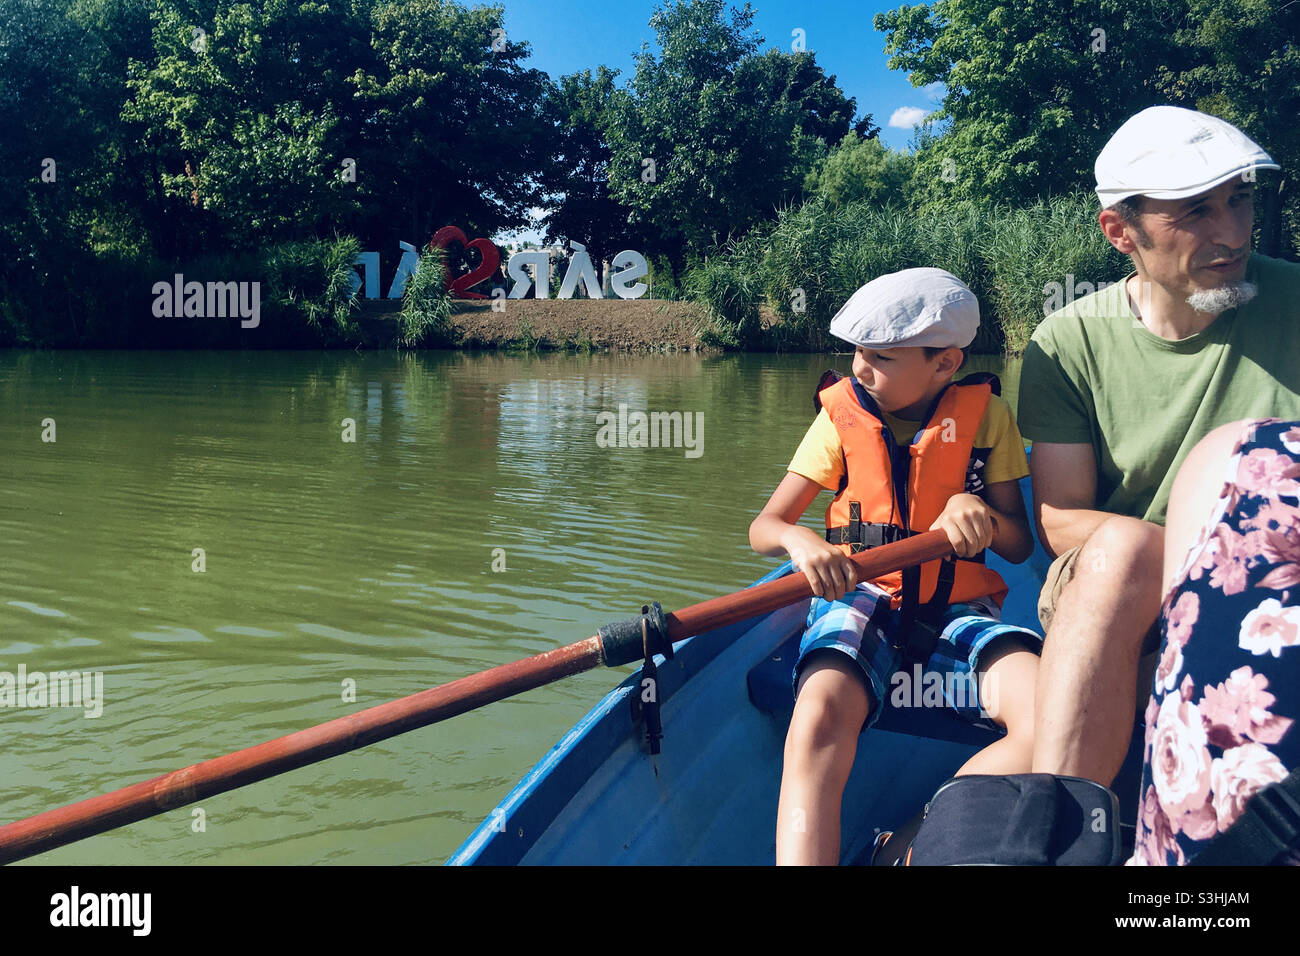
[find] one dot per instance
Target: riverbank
(631, 325)
(573, 325)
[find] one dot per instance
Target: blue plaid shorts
(845, 626)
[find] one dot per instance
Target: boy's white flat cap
(913, 307)
(1167, 152)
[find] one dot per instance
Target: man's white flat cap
(1167, 152)
(913, 307)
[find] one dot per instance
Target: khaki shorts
(1060, 574)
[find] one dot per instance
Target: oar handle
(622, 642)
(721, 611)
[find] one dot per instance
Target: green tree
(67, 187)
(577, 179)
(236, 113)
(710, 137)
(825, 113)
(451, 125)
(250, 123)
(861, 169)
(1033, 88)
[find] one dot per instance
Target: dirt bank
(624, 325)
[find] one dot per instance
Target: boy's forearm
(1012, 539)
(765, 534)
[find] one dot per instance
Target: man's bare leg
(1088, 674)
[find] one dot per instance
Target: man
(1117, 388)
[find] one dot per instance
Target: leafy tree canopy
(710, 136)
(861, 169)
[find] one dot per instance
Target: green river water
(474, 520)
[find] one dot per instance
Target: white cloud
(933, 91)
(907, 117)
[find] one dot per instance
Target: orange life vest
(892, 492)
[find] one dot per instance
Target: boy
(905, 450)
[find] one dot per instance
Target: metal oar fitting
(636, 638)
(623, 642)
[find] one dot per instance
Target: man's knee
(1114, 580)
(1122, 551)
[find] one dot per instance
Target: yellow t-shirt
(997, 455)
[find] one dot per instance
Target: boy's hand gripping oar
(616, 644)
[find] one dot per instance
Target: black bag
(1267, 831)
(1025, 819)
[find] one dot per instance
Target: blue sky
(571, 35)
(566, 36)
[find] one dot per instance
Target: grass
(311, 282)
(817, 255)
(425, 319)
(527, 340)
(105, 300)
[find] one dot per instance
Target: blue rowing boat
(599, 797)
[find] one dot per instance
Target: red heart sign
(486, 269)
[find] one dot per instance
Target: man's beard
(1231, 296)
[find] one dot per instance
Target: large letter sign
(625, 269)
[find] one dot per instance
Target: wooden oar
(76, 821)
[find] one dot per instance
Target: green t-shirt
(1094, 374)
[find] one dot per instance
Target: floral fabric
(1220, 724)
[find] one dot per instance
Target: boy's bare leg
(1007, 678)
(829, 712)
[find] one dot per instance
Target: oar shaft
(54, 828)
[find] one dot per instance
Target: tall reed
(816, 255)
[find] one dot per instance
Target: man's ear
(1117, 232)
